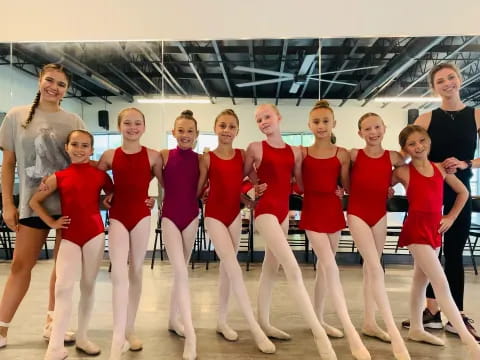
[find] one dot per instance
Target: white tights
(226, 242)
(328, 279)
(427, 269)
(74, 263)
(179, 245)
(127, 254)
(278, 252)
(369, 241)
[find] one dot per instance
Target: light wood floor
(25, 340)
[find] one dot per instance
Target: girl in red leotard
(324, 164)
(82, 245)
(275, 162)
(223, 221)
(422, 231)
(133, 166)
(367, 222)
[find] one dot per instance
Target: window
(475, 180)
(296, 139)
(105, 141)
(204, 141)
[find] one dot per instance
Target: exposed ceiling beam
(194, 69)
(414, 50)
(252, 64)
(312, 68)
(158, 65)
(120, 74)
(76, 67)
(222, 69)
(282, 67)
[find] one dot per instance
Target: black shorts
(36, 223)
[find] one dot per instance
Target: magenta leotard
(425, 201)
(369, 183)
(180, 179)
(131, 175)
(322, 209)
(79, 187)
(225, 178)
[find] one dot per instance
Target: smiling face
(417, 145)
(53, 85)
(372, 130)
(185, 131)
(226, 128)
(321, 123)
(267, 119)
(131, 125)
(79, 147)
(446, 83)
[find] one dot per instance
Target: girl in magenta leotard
(81, 248)
(422, 231)
(224, 166)
(133, 166)
(324, 164)
(180, 210)
(367, 222)
(275, 162)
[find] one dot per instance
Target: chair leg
(307, 243)
(45, 248)
(207, 261)
(472, 256)
(153, 253)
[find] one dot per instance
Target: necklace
(451, 114)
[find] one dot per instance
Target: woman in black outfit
(453, 128)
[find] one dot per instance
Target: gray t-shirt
(39, 150)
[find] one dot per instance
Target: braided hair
(36, 100)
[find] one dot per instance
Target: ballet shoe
(87, 347)
(227, 332)
(377, 333)
(68, 338)
(325, 350)
(332, 331)
(60, 354)
(176, 328)
(3, 341)
(189, 350)
(274, 333)
(403, 355)
(426, 337)
(265, 345)
(134, 342)
(361, 354)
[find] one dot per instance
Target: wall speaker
(103, 119)
(412, 115)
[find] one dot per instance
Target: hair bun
(187, 113)
(323, 103)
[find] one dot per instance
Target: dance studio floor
(25, 341)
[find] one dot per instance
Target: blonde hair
(367, 115)
(273, 106)
(441, 66)
(227, 112)
(123, 111)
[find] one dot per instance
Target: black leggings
(454, 242)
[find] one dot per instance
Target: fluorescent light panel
(172, 101)
(401, 99)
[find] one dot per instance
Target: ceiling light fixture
(172, 101)
(401, 99)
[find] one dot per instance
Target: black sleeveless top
(453, 133)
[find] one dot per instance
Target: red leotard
(79, 187)
(131, 175)
(370, 180)
(276, 171)
(322, 209)
(425, 201)
(225, 177)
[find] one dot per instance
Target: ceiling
(395, 67)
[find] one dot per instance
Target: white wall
(232, 19)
